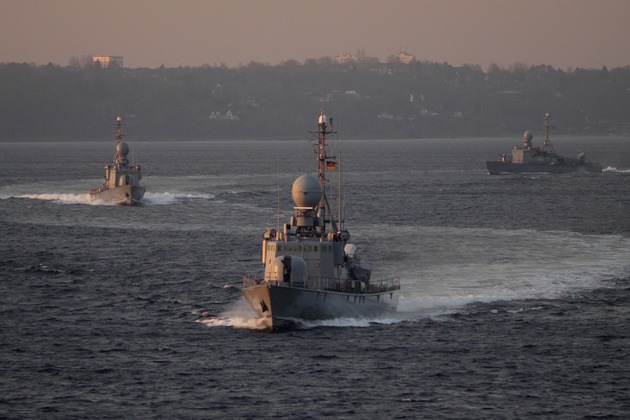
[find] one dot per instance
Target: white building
(108, 60)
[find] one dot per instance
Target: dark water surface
(515, 289)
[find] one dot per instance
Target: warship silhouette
(311, 270)
(122, 180)
(530, 159)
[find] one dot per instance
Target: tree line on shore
(261, 101)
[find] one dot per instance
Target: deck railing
(330, 284)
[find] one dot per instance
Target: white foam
(237, 322)
(238, 315)
(349, 322)
(170, 198)
(338, 322)
(442, 269)
(613, 169)
(66, 198)
(159, 199)
(149, 198)
(490, 265)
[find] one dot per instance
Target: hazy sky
(148, 33)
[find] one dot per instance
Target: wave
(247, 323)
(350, 322)
(444, 269)
(171, 198)
(64, 198)
(149, 198)
(615, 170)
(463, 266)
(239, 315)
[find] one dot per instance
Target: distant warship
(122, 181)
(311, 270)
(530, 159)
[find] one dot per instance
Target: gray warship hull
(283, 306)
(123, 195)
(499, 168)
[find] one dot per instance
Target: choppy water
(515, 289)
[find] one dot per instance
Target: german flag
(331, 165)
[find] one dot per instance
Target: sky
(565, 34)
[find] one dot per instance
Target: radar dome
(306, 191)
(528, 136)
(122, 149)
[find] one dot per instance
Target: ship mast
(119, 137)
(548, 147)
(322, 156)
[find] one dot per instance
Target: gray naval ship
(311, 270)
(530, 159)
(122, 180)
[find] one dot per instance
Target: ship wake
(151, 199)
(444, 269)
(454, 267)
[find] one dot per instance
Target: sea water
(514, 303)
